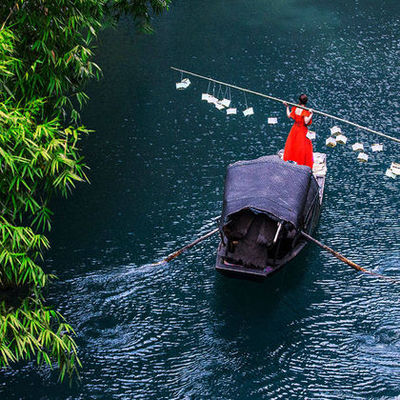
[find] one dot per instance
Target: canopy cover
(269, 185)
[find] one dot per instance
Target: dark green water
(158, 158)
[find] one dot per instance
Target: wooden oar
(346, 260)
(306, 235)
(188, 246)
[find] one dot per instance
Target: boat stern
(239, 271)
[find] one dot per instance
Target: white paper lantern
(335, 131)
(390, 174)
(225, 102)
(377, 147)
(231, 111)
(362, 157)
(272, 120)
(358, 147)
(311, 135)
(248, 111)
(330, 142)
(183, 84)
(341, 139)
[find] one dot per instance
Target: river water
(180, 331)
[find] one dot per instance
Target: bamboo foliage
(33, 331)
(38, 158)
(55, 44)
(46, 51)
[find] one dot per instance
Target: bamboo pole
(290, 103)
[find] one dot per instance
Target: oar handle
(188, 246)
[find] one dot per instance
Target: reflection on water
(317, 329)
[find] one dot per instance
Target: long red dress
(298, 147)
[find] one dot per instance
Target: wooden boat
(267, 204)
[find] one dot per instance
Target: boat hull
(228, 267)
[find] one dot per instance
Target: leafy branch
(46, 57)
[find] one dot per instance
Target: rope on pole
(290, 103)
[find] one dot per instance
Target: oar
(346, 260)
(188, 246)
(306, 235)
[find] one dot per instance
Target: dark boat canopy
(268, 185)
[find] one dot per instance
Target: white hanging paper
(358, 147)
(335, 130)
(272, 120)
(248, 111)
(389, 173)
(377, 147)
(330, 142)
(180, 86)
(183, 84)
(225, 102)
(362, 157)
(395, 167)
(212, 99)
(341, 139)
(219, 106)
(205, 96)
(311, 135)
(231, 111)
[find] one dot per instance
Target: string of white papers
(337, 137)
(222, 101)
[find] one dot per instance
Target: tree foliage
(46, 56)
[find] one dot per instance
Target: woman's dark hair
(303, 99)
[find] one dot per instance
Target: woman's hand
(285, 104)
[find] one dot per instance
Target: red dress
(298, 147)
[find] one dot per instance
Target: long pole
(288, 102)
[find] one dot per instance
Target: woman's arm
(308, 119)
(287, 109)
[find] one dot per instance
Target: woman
(298, 147)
